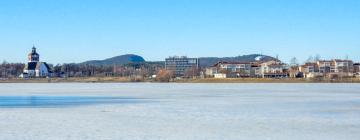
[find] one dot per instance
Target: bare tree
(310, 59)
(317, 57)
(294, 62)
(191, 72)
(164, 75)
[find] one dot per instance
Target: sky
(66, 31)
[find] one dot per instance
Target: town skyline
(76, 31)
(313, 57)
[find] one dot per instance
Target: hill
(203, 61)
(209, 61)
(117, 60)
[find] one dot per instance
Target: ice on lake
(144, 111)
(59, 101)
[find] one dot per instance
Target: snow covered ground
(144, 111)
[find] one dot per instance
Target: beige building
(268, 69)
(211, 71)
(234, 69)
(328, 68)
(273, 69)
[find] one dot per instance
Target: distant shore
(205, 80)
(268, 80)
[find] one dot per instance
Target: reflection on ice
(59, 101)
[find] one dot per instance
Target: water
(179, 111)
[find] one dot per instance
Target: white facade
(34, 68)
(272, 68)
(211, 71)
(219, 75)
(248, 69)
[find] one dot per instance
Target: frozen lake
(144, 111)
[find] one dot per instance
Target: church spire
(33, 49)
(33, 56)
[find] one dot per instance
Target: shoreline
(205, 80)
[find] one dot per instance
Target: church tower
(33, 56)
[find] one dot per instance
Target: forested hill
(204, 61)
(117, 60)
(210, 61)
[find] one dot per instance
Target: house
(34, 68)
(310, 70)
(356, 69)
(325, 66)
(220, 75)
(328, 68)
(211, 71)
(258, 69)
(343, 66)
(273, 69)
(234, 69)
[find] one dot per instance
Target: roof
(35, 66)
(339, 60)
(276, 65)
(47, 66)
(308, 64)
(325, 61)
(255, 65)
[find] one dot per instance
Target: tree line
(136, 70)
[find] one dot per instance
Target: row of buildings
(180, 66)
(257, 68)
(329, 68)
(260, 68)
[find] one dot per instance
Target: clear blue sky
(78, 30)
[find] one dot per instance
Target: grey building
(179, 65)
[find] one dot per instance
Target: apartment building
(328, 68)
(234, 69)
(181, 65)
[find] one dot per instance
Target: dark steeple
(33, 56)
(33, 49)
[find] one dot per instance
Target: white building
(34, 68)
(268, 69)
(328, 68)
(220, 75)
(273, 69)
(211, 71)
(234, 69)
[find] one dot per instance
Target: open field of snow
(144, 111)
